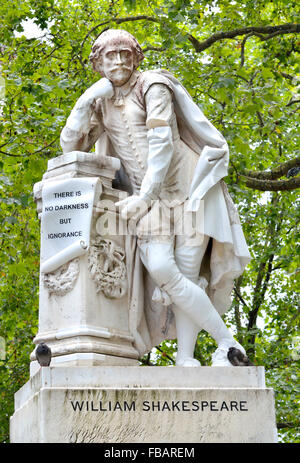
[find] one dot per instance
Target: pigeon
(43, 354)
(237, 358)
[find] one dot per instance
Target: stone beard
(171, 154)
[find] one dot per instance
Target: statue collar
(121, 92)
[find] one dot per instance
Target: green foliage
(248, 87)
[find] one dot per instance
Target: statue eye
(125, 54)
(110, 55)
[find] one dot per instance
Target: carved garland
(107, 268)
(63, 279)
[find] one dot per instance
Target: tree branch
(271, 185)
(165, 354)
(150, 48)
(117, 21)
(236, 304)
(266, 180)
(240, 297)
(273, 174)
(287, 425)
(292, 102)
(263, 32)
(286, 76)
(29, 154)
(264, 272)
(243, 49)
(257, 297)
(147, 361)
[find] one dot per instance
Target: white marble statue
(172, 155)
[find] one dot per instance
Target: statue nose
(118, 58)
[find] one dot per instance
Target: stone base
(145, 404)
(87, 359)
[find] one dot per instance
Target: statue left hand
(133, 207)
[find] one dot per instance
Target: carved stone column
(83, 310)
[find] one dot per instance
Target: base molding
(136, 404)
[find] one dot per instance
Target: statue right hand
(101, 89)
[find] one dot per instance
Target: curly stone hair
(114, 37)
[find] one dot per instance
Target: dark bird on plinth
(43, 354)
(237, 358)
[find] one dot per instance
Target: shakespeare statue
(173, 164)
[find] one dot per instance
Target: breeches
(168, 262)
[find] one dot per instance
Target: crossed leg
(188, 297)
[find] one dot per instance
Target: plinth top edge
(121, 377)
(83, 157)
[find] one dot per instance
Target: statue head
(115, 55)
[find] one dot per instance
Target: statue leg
(159, 260)
(187, 332)
(188, 260)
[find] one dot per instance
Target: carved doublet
(127, 118)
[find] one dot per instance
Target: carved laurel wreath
(107, 268)
(63, 279)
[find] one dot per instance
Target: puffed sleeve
(159, 106)
(83, 128)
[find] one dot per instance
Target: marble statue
(171, 157)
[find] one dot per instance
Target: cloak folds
(227, 254)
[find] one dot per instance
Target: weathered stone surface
(85, 322)
(131, 404)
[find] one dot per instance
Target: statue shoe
(219, 357)
(188, 362)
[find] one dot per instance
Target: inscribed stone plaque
(66, 220)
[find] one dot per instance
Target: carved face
(118, 63)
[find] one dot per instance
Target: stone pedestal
(94, 390)
(145, 404)
(83, 310)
